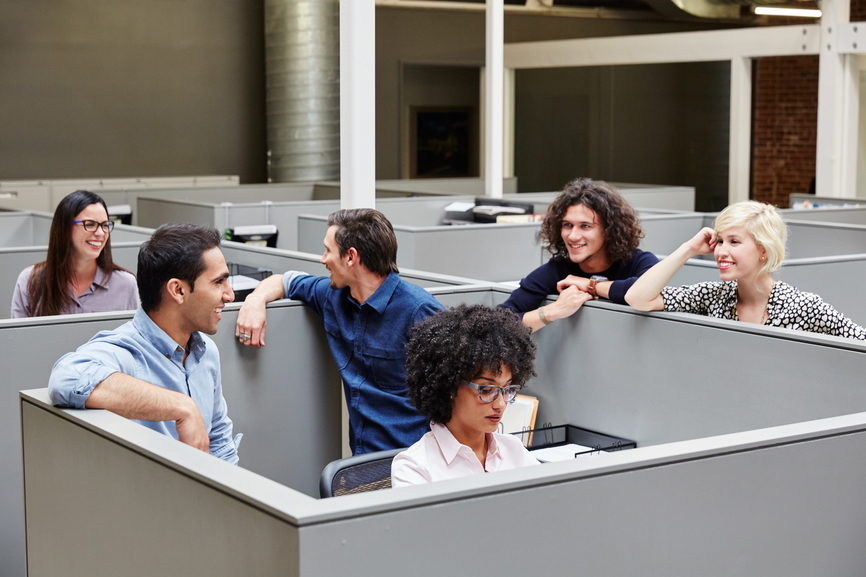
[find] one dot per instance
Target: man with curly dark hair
(463, 366)
(593, 234)
(369, 312)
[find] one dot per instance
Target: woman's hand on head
(704, 242)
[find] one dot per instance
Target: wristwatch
(594, 280)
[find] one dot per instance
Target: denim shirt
(142, 350)
(368, 342)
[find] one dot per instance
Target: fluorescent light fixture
(773, 11)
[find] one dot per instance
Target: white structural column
(740, 146)
(833, 88)
(357, 103)
(508, 123)
(493, 93)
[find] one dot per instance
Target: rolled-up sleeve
(75, 375)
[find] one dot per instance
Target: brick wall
(785, 120)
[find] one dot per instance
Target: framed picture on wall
(441, 141)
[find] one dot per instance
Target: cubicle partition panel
(19, 229)
(489, 252)
(847, 215)
(45, 195)
(836, 279)
(642, 197)
(785, 495)
(664, 377)
(401, 188)
(665, 233)
(819, 239)
(14, 260)
(285, 397)
(796, 199)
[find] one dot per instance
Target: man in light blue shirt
(159, 368)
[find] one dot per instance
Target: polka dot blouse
(787, 308)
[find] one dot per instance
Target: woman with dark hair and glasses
(463, 367)
(78, 276)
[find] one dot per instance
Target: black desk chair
(357, 474)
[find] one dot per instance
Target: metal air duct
(302, 71)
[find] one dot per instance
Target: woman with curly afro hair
(593, 234)
(463, 366)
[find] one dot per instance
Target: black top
(542, 281)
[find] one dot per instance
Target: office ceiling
(675, 9)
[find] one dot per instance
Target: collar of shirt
(379, 300)
(450, 446)
(100, 279)
(164, 343)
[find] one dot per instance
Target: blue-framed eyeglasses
(90, 225)
(489, 393)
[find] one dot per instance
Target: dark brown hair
(371, 234)
(462, 343)
(48, 286)
(174, 251)
(619, 222)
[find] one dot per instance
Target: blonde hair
(763, 223)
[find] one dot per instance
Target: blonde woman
(748, 243)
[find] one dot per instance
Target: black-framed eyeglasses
(489, 393)
(90, 225)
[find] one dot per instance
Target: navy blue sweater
(542, 281)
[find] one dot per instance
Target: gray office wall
(850, 215)
(665, 233)
(837, 280)
(122, 88)
(799, 198)
(14, 260)
(24, 229)
(213, 530)
(817, 239)
(640, 196)
(644, 123)
(262, 395)
(491, 252)
(664, 377)
(456, 38)
(788, 499)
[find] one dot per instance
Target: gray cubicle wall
(156, 211)
(262, 394)
(45, 195)
(492, 252)
(836, 279)
(24, 228)
(787, 499)
(666, 232)
(798, 198)
(848, 215)
(641, 196)
(293, 192)
(14, 260)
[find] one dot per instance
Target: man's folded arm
(81, 382)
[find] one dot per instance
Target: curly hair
(462, 343)
(619, 222)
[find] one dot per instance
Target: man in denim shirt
(369, 312)
(158, 368)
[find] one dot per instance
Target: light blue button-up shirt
(142, 350)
